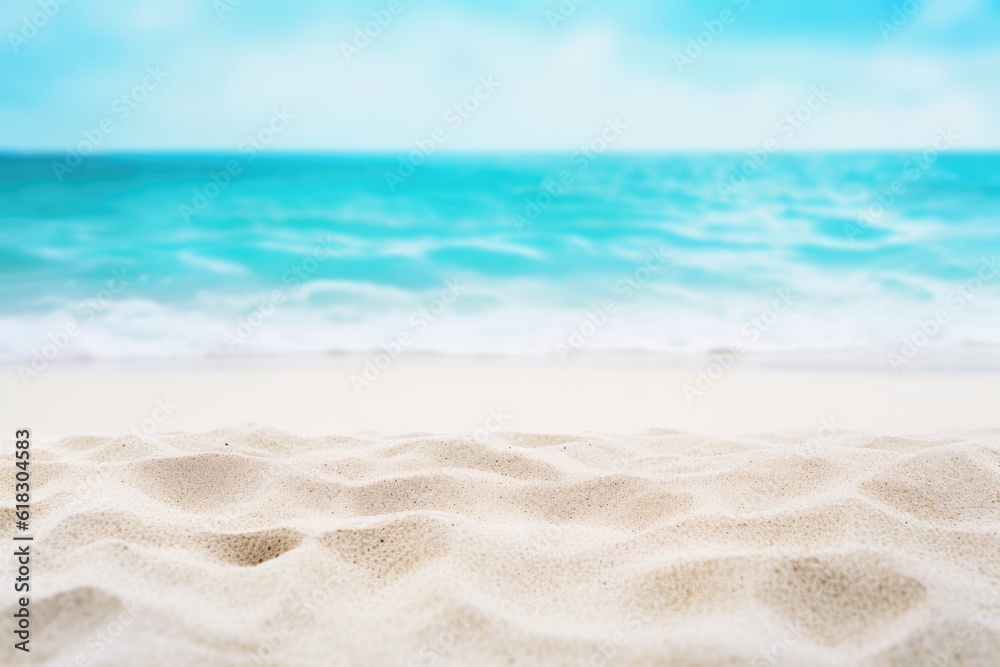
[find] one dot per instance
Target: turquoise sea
(162, 255)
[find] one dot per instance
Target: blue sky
(896, 72)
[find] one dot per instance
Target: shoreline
(970, 358)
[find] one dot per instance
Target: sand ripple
(254, 547)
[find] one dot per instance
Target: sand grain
(655, 549)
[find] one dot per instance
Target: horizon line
(385, 152)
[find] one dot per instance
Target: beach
(250, 545)
(510, 513)
(548, 333)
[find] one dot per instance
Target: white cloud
(556, 90)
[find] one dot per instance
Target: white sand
(314, 396)
(868, 538)
(658, 549)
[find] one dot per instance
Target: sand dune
(250, 546)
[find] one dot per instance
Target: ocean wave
(346, 266)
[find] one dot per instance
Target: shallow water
(170, 255)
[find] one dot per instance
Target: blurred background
(210, 179)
